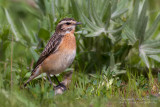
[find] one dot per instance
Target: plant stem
(11, 61)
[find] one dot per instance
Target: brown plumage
(59, 52)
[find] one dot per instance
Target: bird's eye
(68, 23)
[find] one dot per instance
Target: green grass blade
(134, 17)
(107, 16)
(97, 33)
(114, 5)
(130, 35)
(144, 58)
(105, 10)
(96, 16)
(89, 23)
(155, 57)
(151, 30)
(141, 28)
(142, 22)
(27, 32)
(75, 9)
(151, 44)
(112, 60)
(90, 12)
(118, 13)
(151, 51)
(13, 28)
(34, 54)
(115, 30)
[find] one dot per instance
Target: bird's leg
(57, 79)
(60, 85)
(49, 79)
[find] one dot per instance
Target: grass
(86, 90)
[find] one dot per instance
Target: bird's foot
(60, 88)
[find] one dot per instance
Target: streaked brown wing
(50, 48)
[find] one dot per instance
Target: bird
(59, 53)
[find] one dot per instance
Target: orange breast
(68, 42)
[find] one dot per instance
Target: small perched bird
(59, 52)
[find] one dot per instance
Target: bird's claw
(59, 89)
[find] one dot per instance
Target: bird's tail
(36, 72)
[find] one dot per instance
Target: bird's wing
(50, 48)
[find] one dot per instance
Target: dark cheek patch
(65, 28)
(69, 29)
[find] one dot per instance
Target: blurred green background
(118, 45)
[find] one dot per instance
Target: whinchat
(59, 52)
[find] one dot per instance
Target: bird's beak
(78, 23)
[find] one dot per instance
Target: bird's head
(67, 25)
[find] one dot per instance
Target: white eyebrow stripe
(66, 22)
